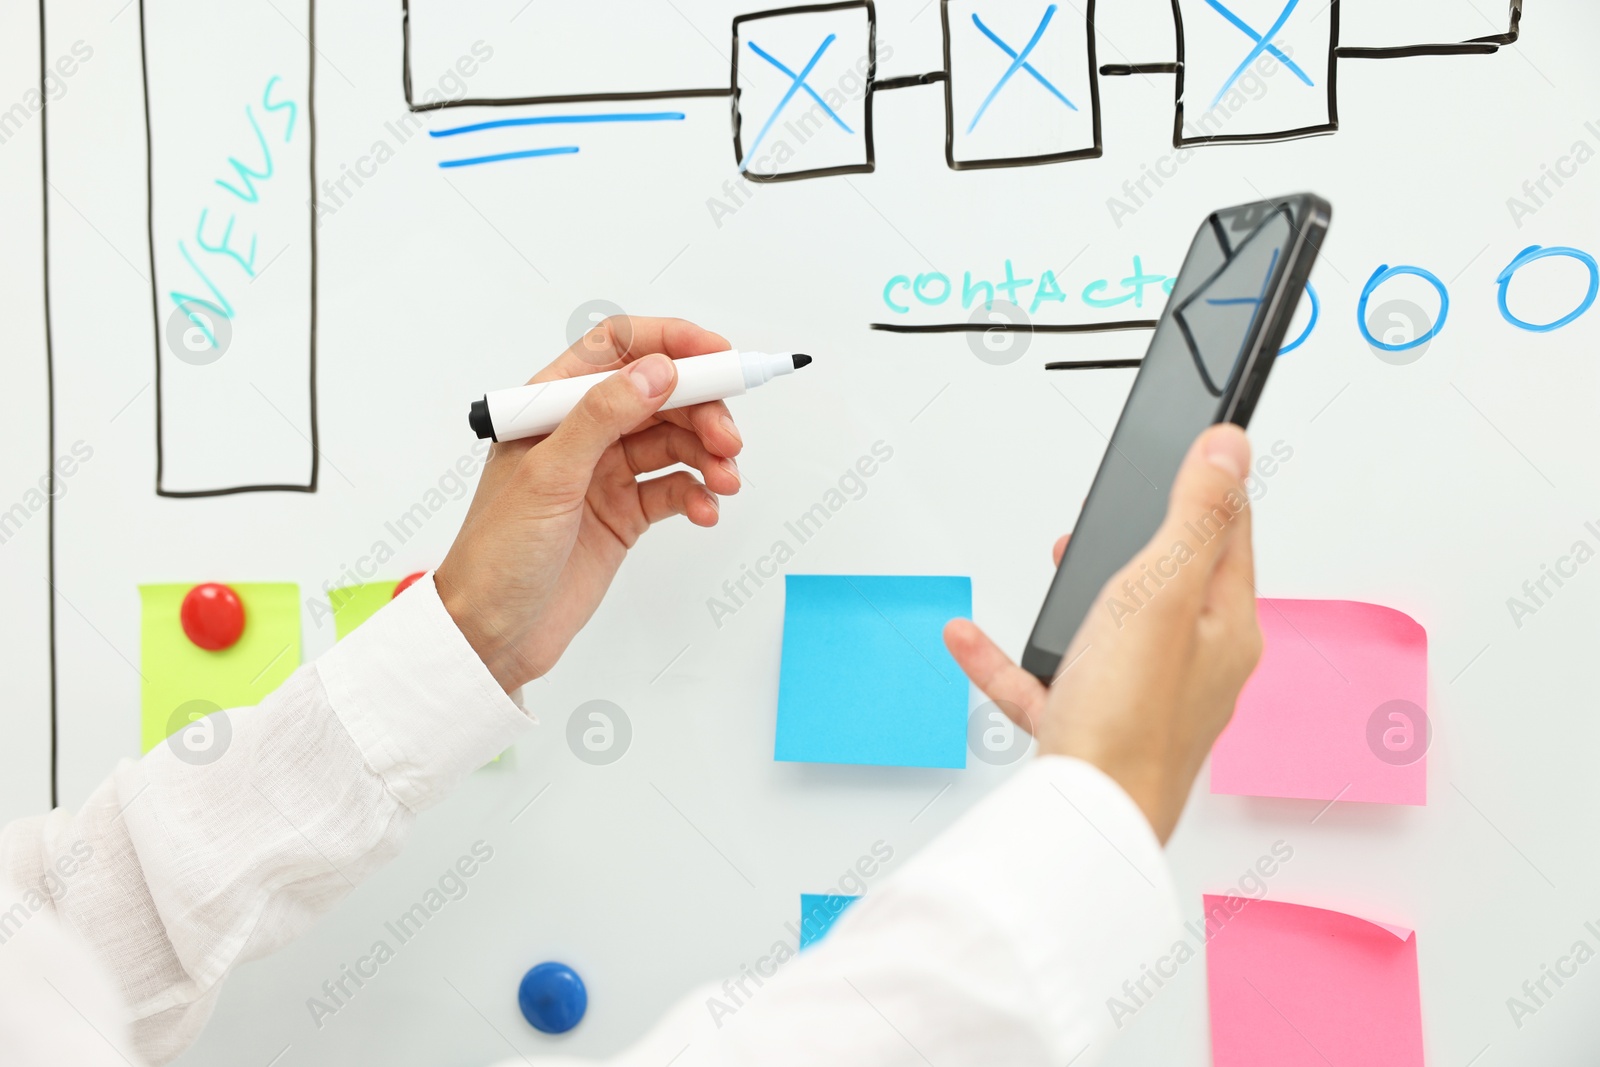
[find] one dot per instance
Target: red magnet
(405, 583)
(212, 616)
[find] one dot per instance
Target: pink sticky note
(1335, 710)
(1292, 986)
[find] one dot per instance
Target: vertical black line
(311, 127)
(1094, 77)
(872, 83)
(1333, 64)
(1179, 80)
(50, 402)
(405, 53)
(150, 233)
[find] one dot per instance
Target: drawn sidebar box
(232, 244)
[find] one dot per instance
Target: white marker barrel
(534, 410)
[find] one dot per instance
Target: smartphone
(1212, 350)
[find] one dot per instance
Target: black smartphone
(1212, 350)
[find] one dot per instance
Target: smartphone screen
(1190, 378)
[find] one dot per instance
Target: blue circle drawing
(552, 998)
(1383, 274)
(1529, 255)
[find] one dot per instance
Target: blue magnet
(552, 998)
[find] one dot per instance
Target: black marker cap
(478, 419)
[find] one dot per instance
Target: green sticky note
(355, 604)
(183, 682)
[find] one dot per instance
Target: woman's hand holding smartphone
(1207, 363)
(1146, 691)
(1148, 654)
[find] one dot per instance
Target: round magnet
(552, 998)
(212, 616)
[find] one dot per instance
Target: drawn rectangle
(802, 91)
(1255, 70)
(511, 51)
(232, 245)
(1021, 83)
(1384, 24)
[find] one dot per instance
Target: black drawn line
(50, 406)
(933, 77)
(1124, 70)
(1093, 364)
(311, 227)
(1477, 46)
(1408, 51)
(150, 231)
(1012, 327)
(569, 98)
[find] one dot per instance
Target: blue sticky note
(818, 913)
(865, 676)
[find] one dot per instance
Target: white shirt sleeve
(1000, 943)
(174, 873)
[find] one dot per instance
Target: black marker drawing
(158, 320)
(1095, 364)
(1477, 46)
(1076, 329)
(46, 73)
(520, 101)
(1335, 52)
(1091, 151)
(1012, 327)
(869, 163)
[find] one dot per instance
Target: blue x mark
(796, 83)
(1263, 44)
(1019, 61)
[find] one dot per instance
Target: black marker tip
(801, 360)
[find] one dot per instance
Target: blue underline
(562, 120)
(473, 161)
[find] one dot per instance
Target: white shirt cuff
(416, 698)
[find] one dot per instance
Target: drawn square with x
(800, 80)
(1021, 85)
(1257, 70)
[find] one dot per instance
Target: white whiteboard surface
(1437, 487)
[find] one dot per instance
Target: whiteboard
(1436, 485)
